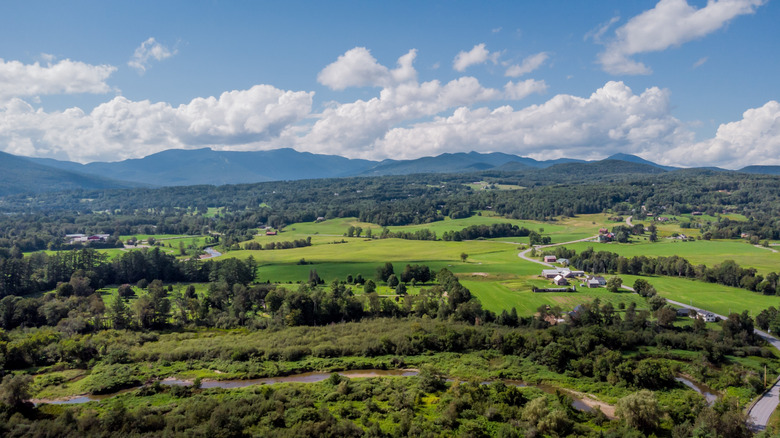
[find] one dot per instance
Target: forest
(103, 319)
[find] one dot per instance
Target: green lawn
(714, 297)
(497, 296)
(708, 252)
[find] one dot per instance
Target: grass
(708, 252)
(497, 296)
(713, 297)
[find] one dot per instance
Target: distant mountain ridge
(21, 175)
(178, 167)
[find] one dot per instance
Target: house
(564, 272)
(560, 280)
(563, 262)
(684, 311)
(592, 283)
(320, 219)
(606, 237)
(706, 316)
(697, 213)
(549, 259)
(603, 231)
(270, 233)
(597, 279)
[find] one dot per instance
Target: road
(523, 255)
(766, 404)
(628, 221)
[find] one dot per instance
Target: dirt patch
(479, 274)
(591, 401)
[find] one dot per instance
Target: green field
(705, 252)
(713, 297)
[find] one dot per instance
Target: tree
(392, 281)
(369, 287)
(639, 410)
(614, 284)
(463, 257)
(15, 390)
(665, 316)
(384, 272)
(400, 289)
(118, 313)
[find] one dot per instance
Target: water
(708, 394)
(310, 377)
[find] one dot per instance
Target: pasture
(706, 252)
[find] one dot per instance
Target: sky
(686, 83)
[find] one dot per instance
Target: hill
(22, 175)
(461, 162)
(176, 167)
(766, 170)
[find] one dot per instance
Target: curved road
(766, 404)
(523, 255)
(628, 221)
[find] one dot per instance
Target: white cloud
(670, 23)
(496, 29)
(521, 90)
(64, 77)
(358, 68)
(529, 64)
(611, 120)
(121, 128)
(700, 62)
(477, 55)
(753, 140)
(149, 50)
(353, 128)
(598, 32)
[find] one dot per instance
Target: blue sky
(684, 83)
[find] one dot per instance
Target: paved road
(523, 255)
(628, 221)
(767, 403)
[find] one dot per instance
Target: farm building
(560, 280)
(684, 311)
(596, 281)
(550, 259)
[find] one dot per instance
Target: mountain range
(177, 167)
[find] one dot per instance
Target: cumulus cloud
(358, 68)
(353, 128)
(121, 128)
(753, 140)
(64, 77)
(670, 23)
(528, 65)
(521, 90)
(613, 119)
(148, 51)
(477, 55)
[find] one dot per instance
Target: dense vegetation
(82, 319)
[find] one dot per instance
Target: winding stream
(315, 376)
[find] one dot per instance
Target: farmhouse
(549, 259)
(560, 280)
(684, 311)
(270, 233)
(705, 315)
(596, 281)
(564, 272)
